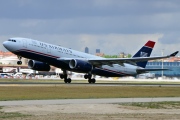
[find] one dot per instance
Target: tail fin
(145, 51)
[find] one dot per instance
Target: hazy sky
(113, 26)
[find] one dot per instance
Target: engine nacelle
(80, 65)
(37, 65)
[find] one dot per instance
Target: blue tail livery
(145, 51)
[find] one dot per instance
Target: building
(8, 58)
(122, 55)
(12, 60)
(86, 50)
(97, 50)
(5, 54)
(174, 68)
(100, 54)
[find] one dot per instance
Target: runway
(86, 101)
(85, 84)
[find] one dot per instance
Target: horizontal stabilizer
(147, 70)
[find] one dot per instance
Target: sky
(113, 26)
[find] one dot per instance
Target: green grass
(156, 105)
(66, 91)
(11, 115)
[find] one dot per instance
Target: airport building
(174, 68)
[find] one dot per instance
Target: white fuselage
(52, 54)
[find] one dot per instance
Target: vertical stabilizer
(145, 51)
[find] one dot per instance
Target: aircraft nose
(8, 45)
(5, 44)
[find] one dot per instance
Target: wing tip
(174, 54)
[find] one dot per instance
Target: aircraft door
(48, 49)
(24, 43)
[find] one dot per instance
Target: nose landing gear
(19, 62)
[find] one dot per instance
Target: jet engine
(80, 65)
(37, 65)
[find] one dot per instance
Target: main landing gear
(65, 77)
(90, 80)
(68, 79)
(19, 62)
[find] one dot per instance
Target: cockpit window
(12, 40)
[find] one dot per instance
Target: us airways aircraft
(42, 55)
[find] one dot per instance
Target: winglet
(174, 54)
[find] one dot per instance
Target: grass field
(10, 115)
(155, 105)
(66, 91)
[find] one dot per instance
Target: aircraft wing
(120, 61)
(110, 61)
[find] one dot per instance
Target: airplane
(42, 55)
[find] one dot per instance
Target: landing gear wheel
(65, 80)
(85, 76)
(92, 80)
(89, 80)
(68, 80)
(19, 62)
(63, 76)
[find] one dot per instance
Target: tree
(110, 56)
(129, 56)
